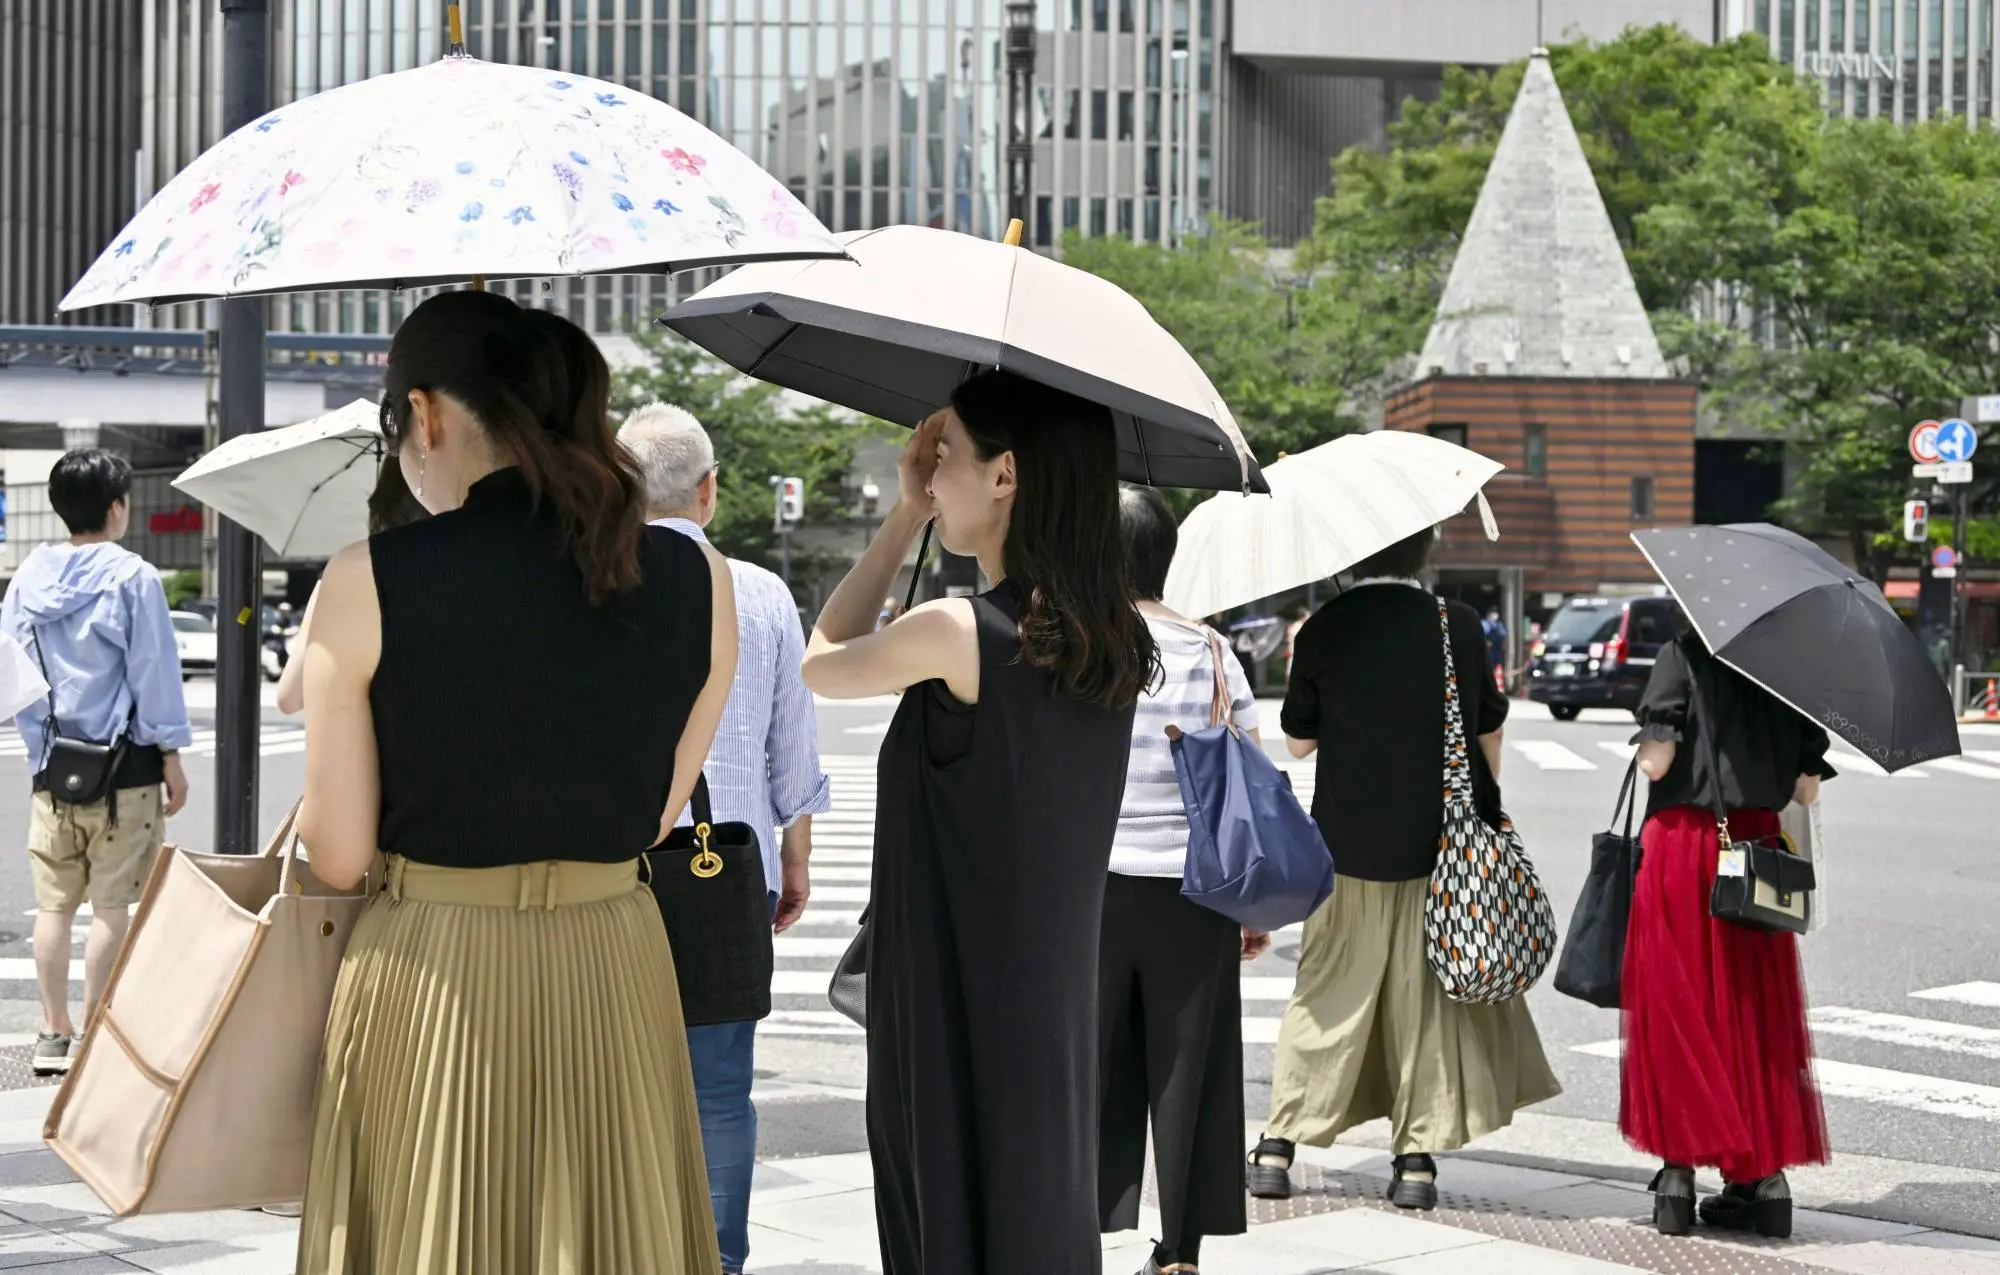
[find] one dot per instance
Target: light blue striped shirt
(764, 769)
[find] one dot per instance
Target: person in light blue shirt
(93, 618)
(763, 770)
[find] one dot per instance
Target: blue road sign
(1956, 440)
(1944, 556)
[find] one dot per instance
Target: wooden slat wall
(1601, 435)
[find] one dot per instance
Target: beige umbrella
(1329, 508)
(916, 310)
(304, 488)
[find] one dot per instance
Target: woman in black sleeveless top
(1000, 783)
(511, 700)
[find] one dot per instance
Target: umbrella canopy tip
(455, 20)
(1013, 236)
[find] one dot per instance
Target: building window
(1072, 114)
(1125, 115)
(1450, 433)
(1642, 500)
(1100, 110)
(1535, 451)
(1097, 213)
(1045, 216)
(1072, 211)
(1125, 216)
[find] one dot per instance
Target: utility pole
(246, 94)
(1020, 51)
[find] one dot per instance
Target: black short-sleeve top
(1368, 683)
(1761, 744)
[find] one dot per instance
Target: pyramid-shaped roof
(1540, 286)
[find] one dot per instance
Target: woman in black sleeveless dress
(999, 789)
(511, 700)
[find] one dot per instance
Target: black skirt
(1170, 1033)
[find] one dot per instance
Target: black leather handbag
(1592, 965)
(79, 772)
(1760, 884)
(709, 883)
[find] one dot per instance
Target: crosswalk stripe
(1984, 754)
(1980, 995)
(788, 946)
(1915, 1033)
(1619, 748)
(1860, 764)
(1958, 765)
(1908, 1091)
(1546, 754)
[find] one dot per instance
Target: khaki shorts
(78, 855)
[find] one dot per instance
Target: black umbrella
(1790, 617)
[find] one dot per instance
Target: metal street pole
(1020, 50)
(240, 394)
(1958, 538)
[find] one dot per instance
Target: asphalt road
(1904, 977)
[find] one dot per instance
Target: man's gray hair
(674, 455)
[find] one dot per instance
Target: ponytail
(539, 387)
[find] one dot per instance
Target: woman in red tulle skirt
(1718, 1059)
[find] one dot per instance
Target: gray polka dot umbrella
(1812, 631)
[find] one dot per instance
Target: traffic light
(1917, 520)
(791, 501)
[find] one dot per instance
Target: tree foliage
(1827, 281)
(758, 431)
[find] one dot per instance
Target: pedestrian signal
(1916, 520)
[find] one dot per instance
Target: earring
(423, 458)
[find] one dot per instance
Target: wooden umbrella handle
(1013, 236)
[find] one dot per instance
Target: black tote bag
(1593, 954)
(709, 883)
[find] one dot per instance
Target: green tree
(757, 433)
(1291, 354)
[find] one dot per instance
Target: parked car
(194, 639)
(1598, 652)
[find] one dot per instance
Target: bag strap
(1457, 764)
(1628, 795)
(698, 804)
(1220, 711)
(1707, 726)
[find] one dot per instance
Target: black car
(1598, 653)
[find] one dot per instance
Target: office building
(1890, 59)
(69, 74)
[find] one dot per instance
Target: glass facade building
(1890, 59)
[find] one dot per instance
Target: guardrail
(1976, 694)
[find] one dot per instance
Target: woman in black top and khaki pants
(1369, 1031)
(512, 699)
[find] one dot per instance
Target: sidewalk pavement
(815, 1216)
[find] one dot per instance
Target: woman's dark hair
(1407, 557)
(392, 503)
(1077, 619)
(1149, 534)
(539, 388)
(85, 484)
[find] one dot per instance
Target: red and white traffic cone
(1993, 699)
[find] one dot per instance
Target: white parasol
(1329, 508)
(304, 488)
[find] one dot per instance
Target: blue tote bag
(1254, 854)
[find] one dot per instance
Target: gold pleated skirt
(505, 1087)
(1369, 1033)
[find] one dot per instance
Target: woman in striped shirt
(1171, 1028)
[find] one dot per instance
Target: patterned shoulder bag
(1488, 926)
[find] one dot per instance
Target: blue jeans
(724, 1056)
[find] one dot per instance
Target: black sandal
(1269, 1180)
(1764, 1207)
(1673, 1199)
(1413, 1193)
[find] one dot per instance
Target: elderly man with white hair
(763, 770)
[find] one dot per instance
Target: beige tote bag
(195, 1086)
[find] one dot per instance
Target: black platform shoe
(1270, 1174)
(1673, 1199)
(1764, 1207)
(1406, 1192)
